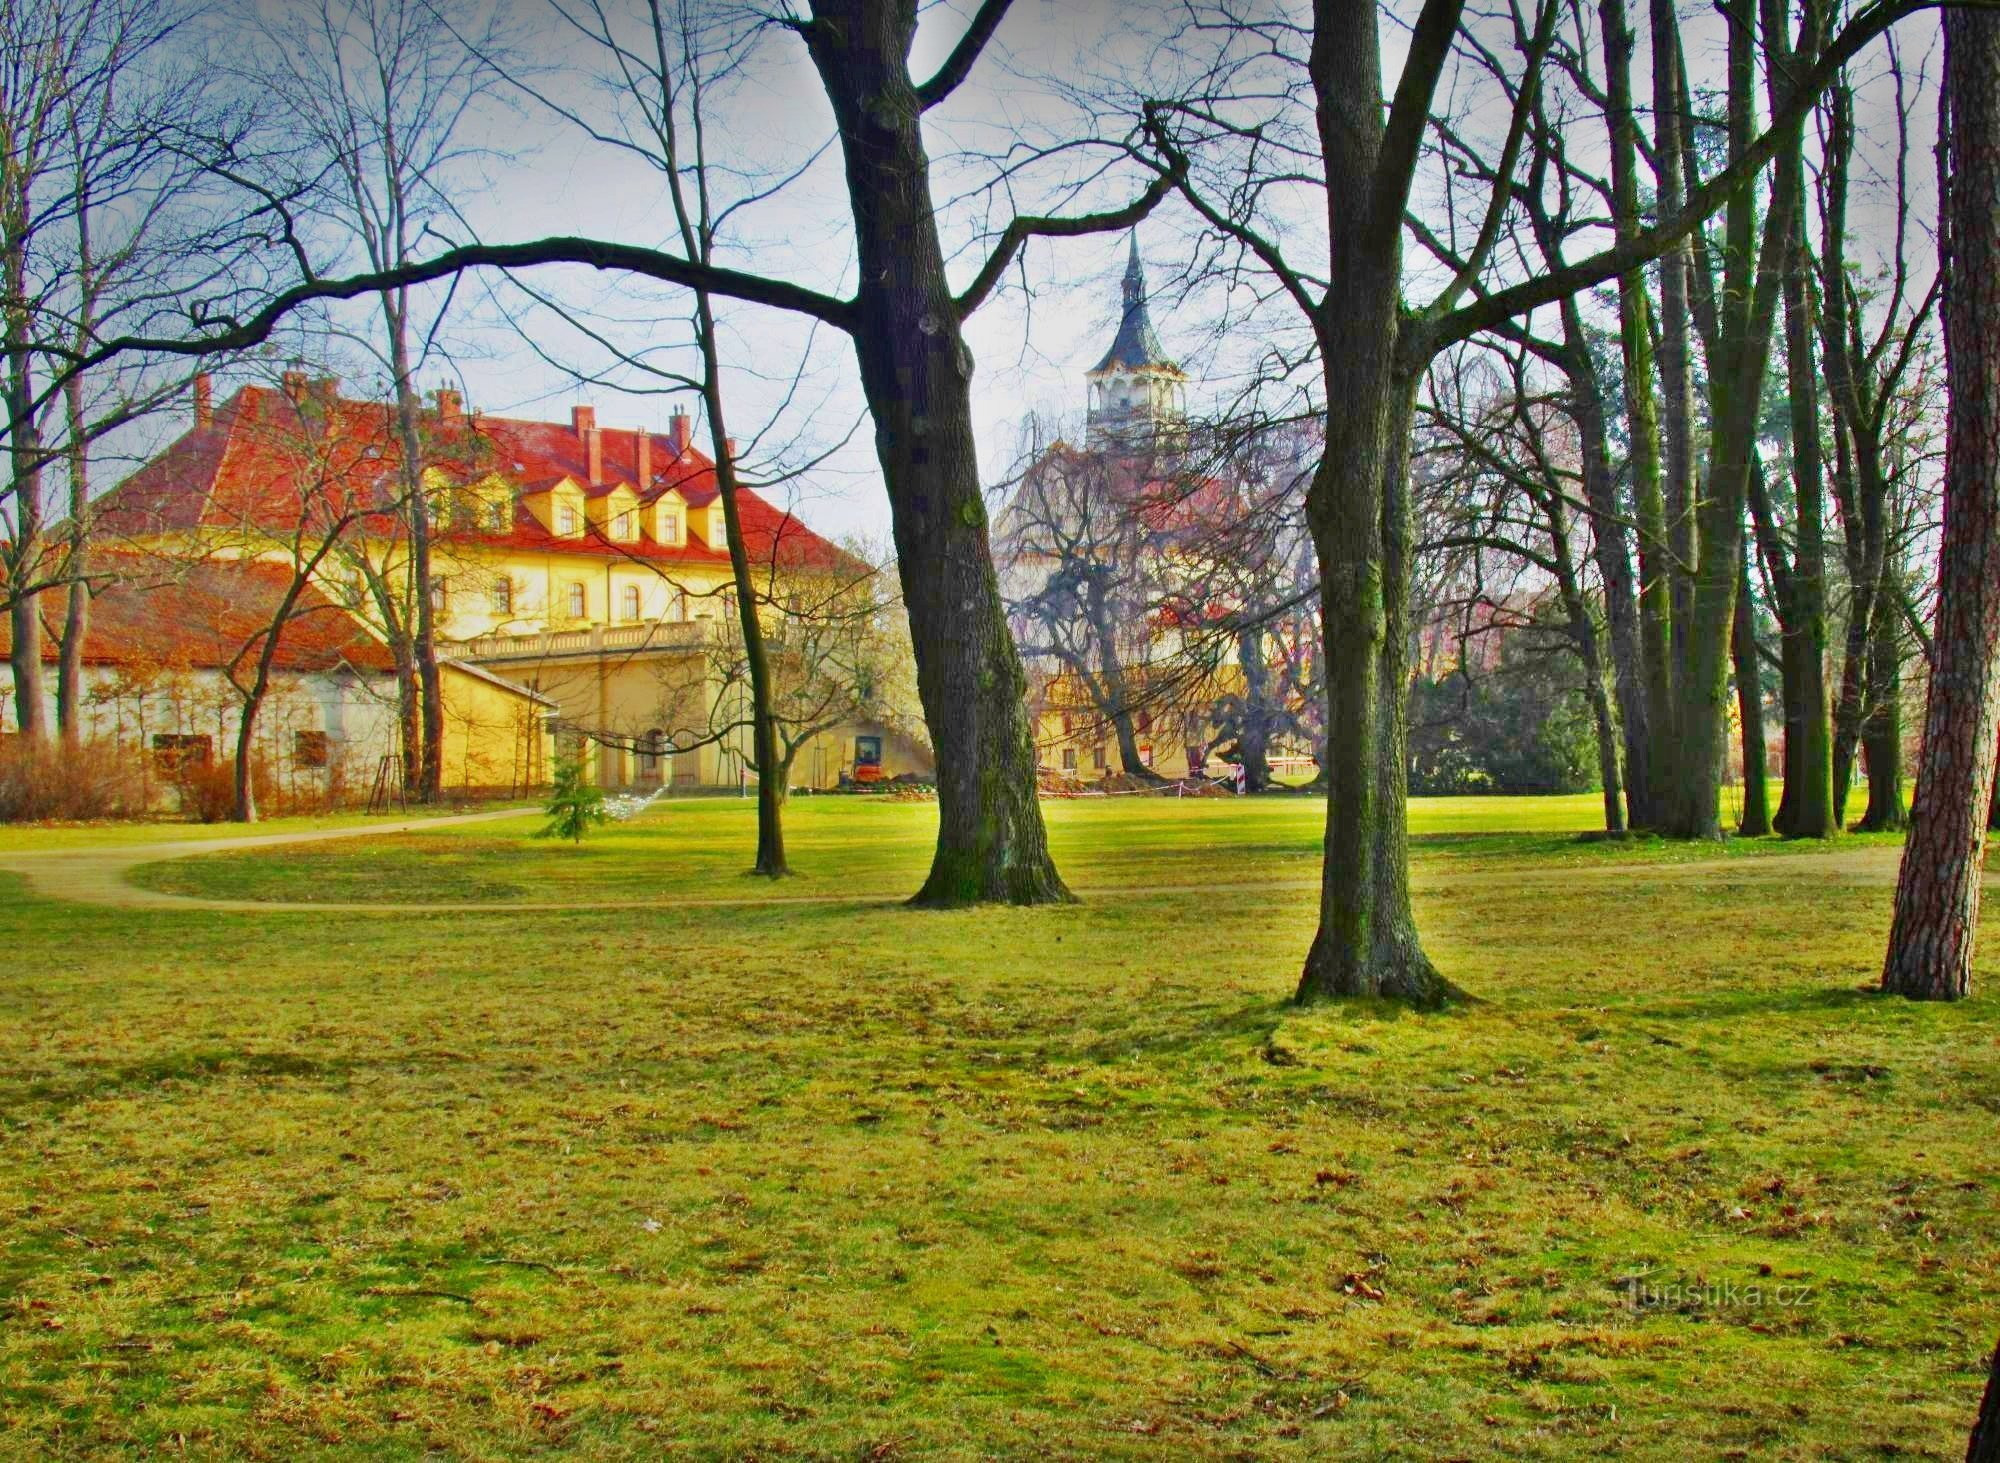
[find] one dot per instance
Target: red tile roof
(198, 616)
(247, 467)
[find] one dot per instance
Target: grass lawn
(843, 1180)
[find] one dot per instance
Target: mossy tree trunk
(1808, 727)
(916, 373)
(1739, 354)
(1642, 412)
(1882, 732)
(1756, 819)
(1937, 894)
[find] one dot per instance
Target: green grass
(866, 847)
(842, 1181)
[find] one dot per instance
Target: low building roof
(203, 615)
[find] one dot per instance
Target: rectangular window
(172, 752)
(1097, 757)
(578, 603)
(1069, 759)
(566, 518)
(500, 597)
(310, 749)
(499, 516)
(1145, 722)
(670, 528)
(440, 599)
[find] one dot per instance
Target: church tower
(1136, 393)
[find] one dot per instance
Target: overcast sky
(543, 175)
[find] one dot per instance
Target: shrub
(52, 782)
(575, 804)
(1523, 727)
(207, 790)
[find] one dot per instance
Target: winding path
(100, 876)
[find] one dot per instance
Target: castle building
(1126, 564)
(586, 567)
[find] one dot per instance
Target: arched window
(628, 602)
(579, 603)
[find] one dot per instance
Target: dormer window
(567, 522)
(670, 526)
(498, 515)
(625, 527)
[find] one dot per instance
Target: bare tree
(331, 480)
(1502, 466)
(1083, 538)
(106, 128)
(373, 98)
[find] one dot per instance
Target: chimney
(204, 400)
(294, 383)
(450, 405)
(593, 446)
(583, 419)
(645, 458)
(677, 431)
(729, 448)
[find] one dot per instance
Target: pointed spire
(1136, 345)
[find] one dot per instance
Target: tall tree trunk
(1778, 573)
(1984, 1446)
(916, 373)
(1358, 512)
(1756, 820)
(773, 771)
(1937, 894)
(1882, 733)
(1254, 735)
(1746, 310)
(1357, 507)
(409, 714)
(1611, 548)
(76, 613)
(1583, 635)
(1635, 328)
(1859, 483)
(417, 514)
(23, 555)
(1809, 767)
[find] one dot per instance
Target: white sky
(1030, 348)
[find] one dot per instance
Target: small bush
(575, 805)
(54, 783)
(207, 790)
